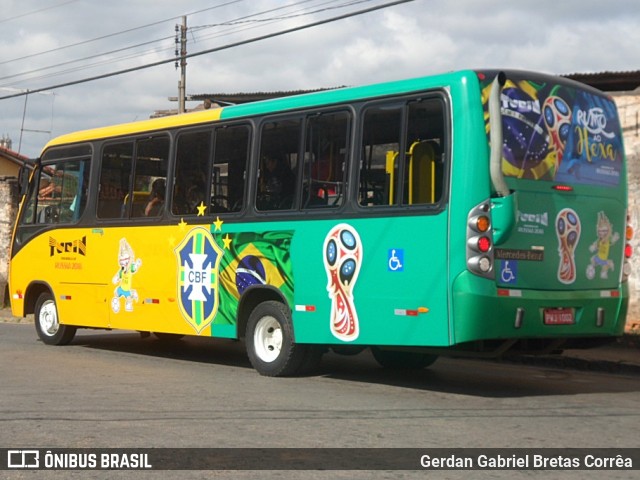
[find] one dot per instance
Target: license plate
(559, 316)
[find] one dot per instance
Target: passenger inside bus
(156, 198)
(277, 184)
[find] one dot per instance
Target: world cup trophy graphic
(342, 259)
(568, 232)
(557, 118)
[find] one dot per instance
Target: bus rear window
(557, 132)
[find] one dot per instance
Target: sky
(46, 43)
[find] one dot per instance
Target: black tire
(399, 360)
(48, 325)
(270, 342)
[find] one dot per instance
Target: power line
(243, 22)
(238, 21)
(90, 57)
(33, 12)
(212, 50)
(249, 19)
(131, 47)
(110, 35)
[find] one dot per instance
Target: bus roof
(313, 99)
(326, 97)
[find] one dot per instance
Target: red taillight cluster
(484, 244)
(628, 250)
(479, 241)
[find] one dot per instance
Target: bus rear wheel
(270, 342)
(48, 325)
(399, 360)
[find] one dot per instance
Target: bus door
(137, 248)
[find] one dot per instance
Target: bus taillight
(484, 244)
(628, 250)
(482, 223)
(480, 241)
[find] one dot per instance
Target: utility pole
(182, 83)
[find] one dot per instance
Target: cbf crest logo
(198, 258)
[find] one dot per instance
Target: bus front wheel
(270, 343)
(48, 325)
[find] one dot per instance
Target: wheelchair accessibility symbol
(508, 271)
(396, 260)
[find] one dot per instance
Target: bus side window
(277, 184)
(402, 161)
(126, 180)
(325, 160)
(150, 179)
(229, 172)
(115, 172)
(424, 167)
(193, 154)
(379, 165)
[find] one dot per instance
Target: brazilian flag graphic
(198, 258)
(254, 259)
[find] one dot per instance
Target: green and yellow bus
(470, 213)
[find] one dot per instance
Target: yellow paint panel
(83, 267)
(150, 125)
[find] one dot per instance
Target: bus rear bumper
(481, 311)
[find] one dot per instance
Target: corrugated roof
(246, 97)
(605, 81)
(609, 81)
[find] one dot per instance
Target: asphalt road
(114, 389)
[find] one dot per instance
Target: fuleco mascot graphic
(606, 238)
(129, 265)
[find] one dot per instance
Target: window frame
(135, 142)
(441, 95)
(212, 130)
(59, 156)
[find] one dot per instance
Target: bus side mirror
(503, 217)
(23, 180)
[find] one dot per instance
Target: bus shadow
(208, 350)
(479, 378)
(483, 378)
